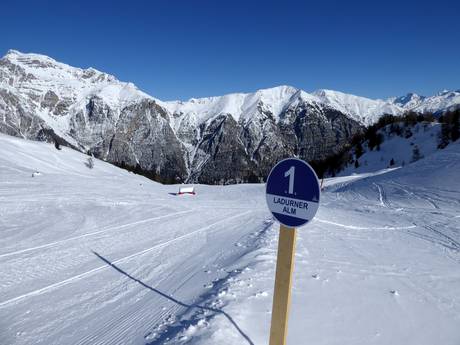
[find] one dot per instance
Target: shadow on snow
(176, 329)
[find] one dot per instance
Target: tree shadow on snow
(175, 330)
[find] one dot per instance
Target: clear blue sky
(192, 48)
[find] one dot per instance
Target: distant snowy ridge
(443, 101)
(361, 109)
(242, 106)
(276, 99)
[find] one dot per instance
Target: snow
(32, 77)
(441, 102)
(408, 101)
(57, 229)
(361, 109)
(398, 148)
(106, 256)
(71, 84)
(446, 100)
(239, 105)
(245, 106)
(379, 265)
(276, 100)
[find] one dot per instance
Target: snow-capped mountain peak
(361, 109)
(408, 101)
(43, 78)
(46, 68)
(239, 105)
(443, 92)
(442, 101)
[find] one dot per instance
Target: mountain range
(216, 140)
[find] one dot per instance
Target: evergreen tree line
(396, 125)
(150, 174)
(450, 128)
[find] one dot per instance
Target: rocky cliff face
(248, 134)
(228, 139)
(139, 137)
(42, 99)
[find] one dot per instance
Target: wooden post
(283, 281)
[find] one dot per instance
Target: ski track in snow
(90, 272)
(378, 265)
(109, 229)
(357, 283)
(365, 228)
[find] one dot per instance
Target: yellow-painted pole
(283, 281)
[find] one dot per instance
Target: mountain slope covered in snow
(364, 110)
(217, 140)
(397, 149)
(225, 139)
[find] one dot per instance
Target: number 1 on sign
(290, 173)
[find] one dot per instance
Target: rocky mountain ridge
(227, 139)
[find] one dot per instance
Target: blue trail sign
(293, 192)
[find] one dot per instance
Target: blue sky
(184, 49)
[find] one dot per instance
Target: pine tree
(359, 150)
(90, 163)
(416, 155)
(374, 140)
(443, 138)
(455, 131)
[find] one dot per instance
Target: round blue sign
(293, 192)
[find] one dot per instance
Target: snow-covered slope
(364, 110)
(378, 265)
(399, 148)
(54, 91)
(105, 256)
(242, 106)
(408, 101)
(44, 74)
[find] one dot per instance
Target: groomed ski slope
(103, 256)
(60, 230)
(380, 264)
